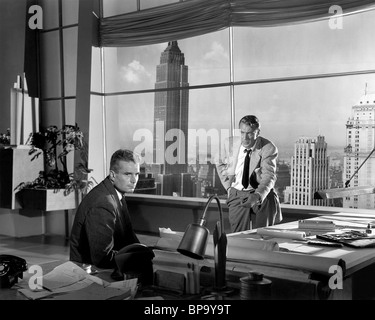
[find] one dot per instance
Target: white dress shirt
(120, 196)
(239, 170)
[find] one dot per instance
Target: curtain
(197, 17)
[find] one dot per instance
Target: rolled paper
(277, 233)
(316, 224)
(235, 244)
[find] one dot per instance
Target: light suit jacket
(263, 157)
(263, 164)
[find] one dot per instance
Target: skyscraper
(283, 179)
(171, 111)
(309, 171)
(360, 141)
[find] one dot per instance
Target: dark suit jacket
(101, 227)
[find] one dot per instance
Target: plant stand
(48, 199)
(16, 167)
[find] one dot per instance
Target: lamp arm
(220, 211)
(220, 246)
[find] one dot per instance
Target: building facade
(171, 111)
(359, 163)
(309, 171)
(283, 180)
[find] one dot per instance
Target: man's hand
(251, 200)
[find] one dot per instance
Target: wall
(12, 32)
(58, 47)
(12, 39)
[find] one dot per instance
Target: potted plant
(63, 188)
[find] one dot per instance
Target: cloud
(217, 54)
(134, 72)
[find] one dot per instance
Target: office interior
(79, 70)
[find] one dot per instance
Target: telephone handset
(11, 268)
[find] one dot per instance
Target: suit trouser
(242, 218)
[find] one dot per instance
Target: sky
(286, 109)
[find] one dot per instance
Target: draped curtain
(197, 17)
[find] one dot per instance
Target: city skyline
(286, 109)
(308, 92)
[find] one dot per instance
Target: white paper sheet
(94, 292)
(68, 277)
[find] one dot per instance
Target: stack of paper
(70, 282)
(95, 292)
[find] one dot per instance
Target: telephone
(11, 268)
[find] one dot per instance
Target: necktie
(129, 235)
(245, 174)
(123, 201)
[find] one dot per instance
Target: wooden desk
(296, 275)
(359, 264)
(292, 274)
(147, 292)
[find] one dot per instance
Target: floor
(45, 248)
(36, 249)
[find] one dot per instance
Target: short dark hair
(123, 155)
(251, 121)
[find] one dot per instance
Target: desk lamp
(194, 243)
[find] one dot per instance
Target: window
(58, 63)
(303, 85)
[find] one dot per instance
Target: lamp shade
(194, 241)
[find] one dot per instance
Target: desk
(13, 294)
(303, 276)
(292, 275)
(148, 292)
(359, 264)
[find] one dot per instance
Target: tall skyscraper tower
(171, 111)
(283, 179)
(309, 171)
(360, 141)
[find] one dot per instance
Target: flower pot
(48, 199)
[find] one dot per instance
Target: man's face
(248, 135)
(127, 176)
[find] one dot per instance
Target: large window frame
(232, 84)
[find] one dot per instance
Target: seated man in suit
(247, 170)
(102, 223)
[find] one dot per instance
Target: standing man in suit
(102, 223)
(248, 172)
